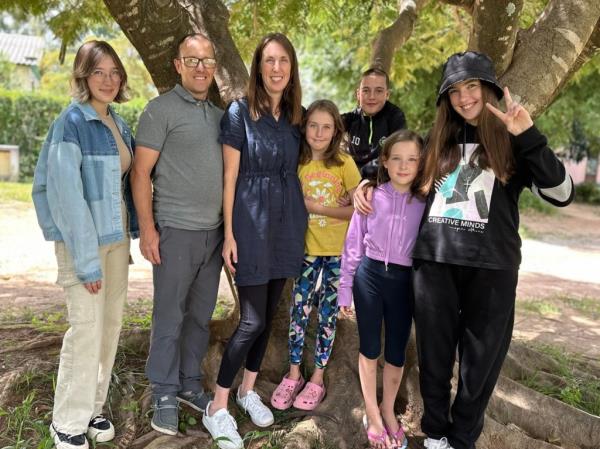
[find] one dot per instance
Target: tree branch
(393, 37)
(465, 4)
(546, 55)
(154, 26)
(494, 31)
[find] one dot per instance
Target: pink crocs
(311, 396)
(283, 396)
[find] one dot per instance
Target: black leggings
(383, 294)
(258, 304)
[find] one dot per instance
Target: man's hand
(362, 198)
(149, 240)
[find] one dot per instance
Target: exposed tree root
(517, 417)
(42, 342)
(543, 417)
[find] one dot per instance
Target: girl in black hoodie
(467, 255)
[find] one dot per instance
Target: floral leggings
(304, 295)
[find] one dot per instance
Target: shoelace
(98, 420)
(254, 403)
(226, 421)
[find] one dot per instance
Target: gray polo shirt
(188, 176)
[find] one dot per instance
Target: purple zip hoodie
(388, 234)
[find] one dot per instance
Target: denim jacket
(77, 186)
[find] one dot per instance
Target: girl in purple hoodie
(376, 269)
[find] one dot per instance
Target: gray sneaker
(166, 414)
(198, 401)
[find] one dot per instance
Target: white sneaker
(223, 429)
(66, 441)
(431, 443)
(100, 429)
(259, 413)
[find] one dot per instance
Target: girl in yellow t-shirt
(328, 175)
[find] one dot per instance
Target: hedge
(25, 118)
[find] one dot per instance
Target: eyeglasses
(101, 75)
(192, 62)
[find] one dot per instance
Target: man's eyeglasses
(192, 62)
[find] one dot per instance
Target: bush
(587, 192)
(26, 117)
(528, 202)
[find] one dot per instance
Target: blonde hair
(87, 59)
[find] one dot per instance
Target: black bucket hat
(465, 66)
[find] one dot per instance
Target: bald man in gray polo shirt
(177, 182)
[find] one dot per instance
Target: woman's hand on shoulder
(516, 118)
(363, 196)
(230, 253)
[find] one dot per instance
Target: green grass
(554, 305)
(222, 308)
(579, 392)
(138, 314)
(26, 424)
(540, 307)
(528, 202)
(15, 191)
(590, 307)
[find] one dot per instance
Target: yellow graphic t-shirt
(325, 235)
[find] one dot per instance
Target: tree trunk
(503, 19)
(155, 26)
(545, 54)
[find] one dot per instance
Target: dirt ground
(559, 275)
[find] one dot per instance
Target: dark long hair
(442, 152)
(333, 153)
(403, 135)
(259, 101)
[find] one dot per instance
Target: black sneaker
(100, 429)
(65, 441)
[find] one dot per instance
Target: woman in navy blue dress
(265, 220)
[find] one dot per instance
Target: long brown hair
(442, 151)
(333, 153)
(402, 135)
(259, 101)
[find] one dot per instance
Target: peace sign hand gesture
(516, 118)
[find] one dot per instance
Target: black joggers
(472, 309)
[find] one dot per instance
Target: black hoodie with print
(472, 219)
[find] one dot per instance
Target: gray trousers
(186, 284)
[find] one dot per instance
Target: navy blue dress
(269, 216)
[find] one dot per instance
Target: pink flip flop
(398, 437)
(310, 397)
(376, 438)
(285, 393)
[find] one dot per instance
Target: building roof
(21, 49)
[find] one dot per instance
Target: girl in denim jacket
(83, 203)
(376, 270)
